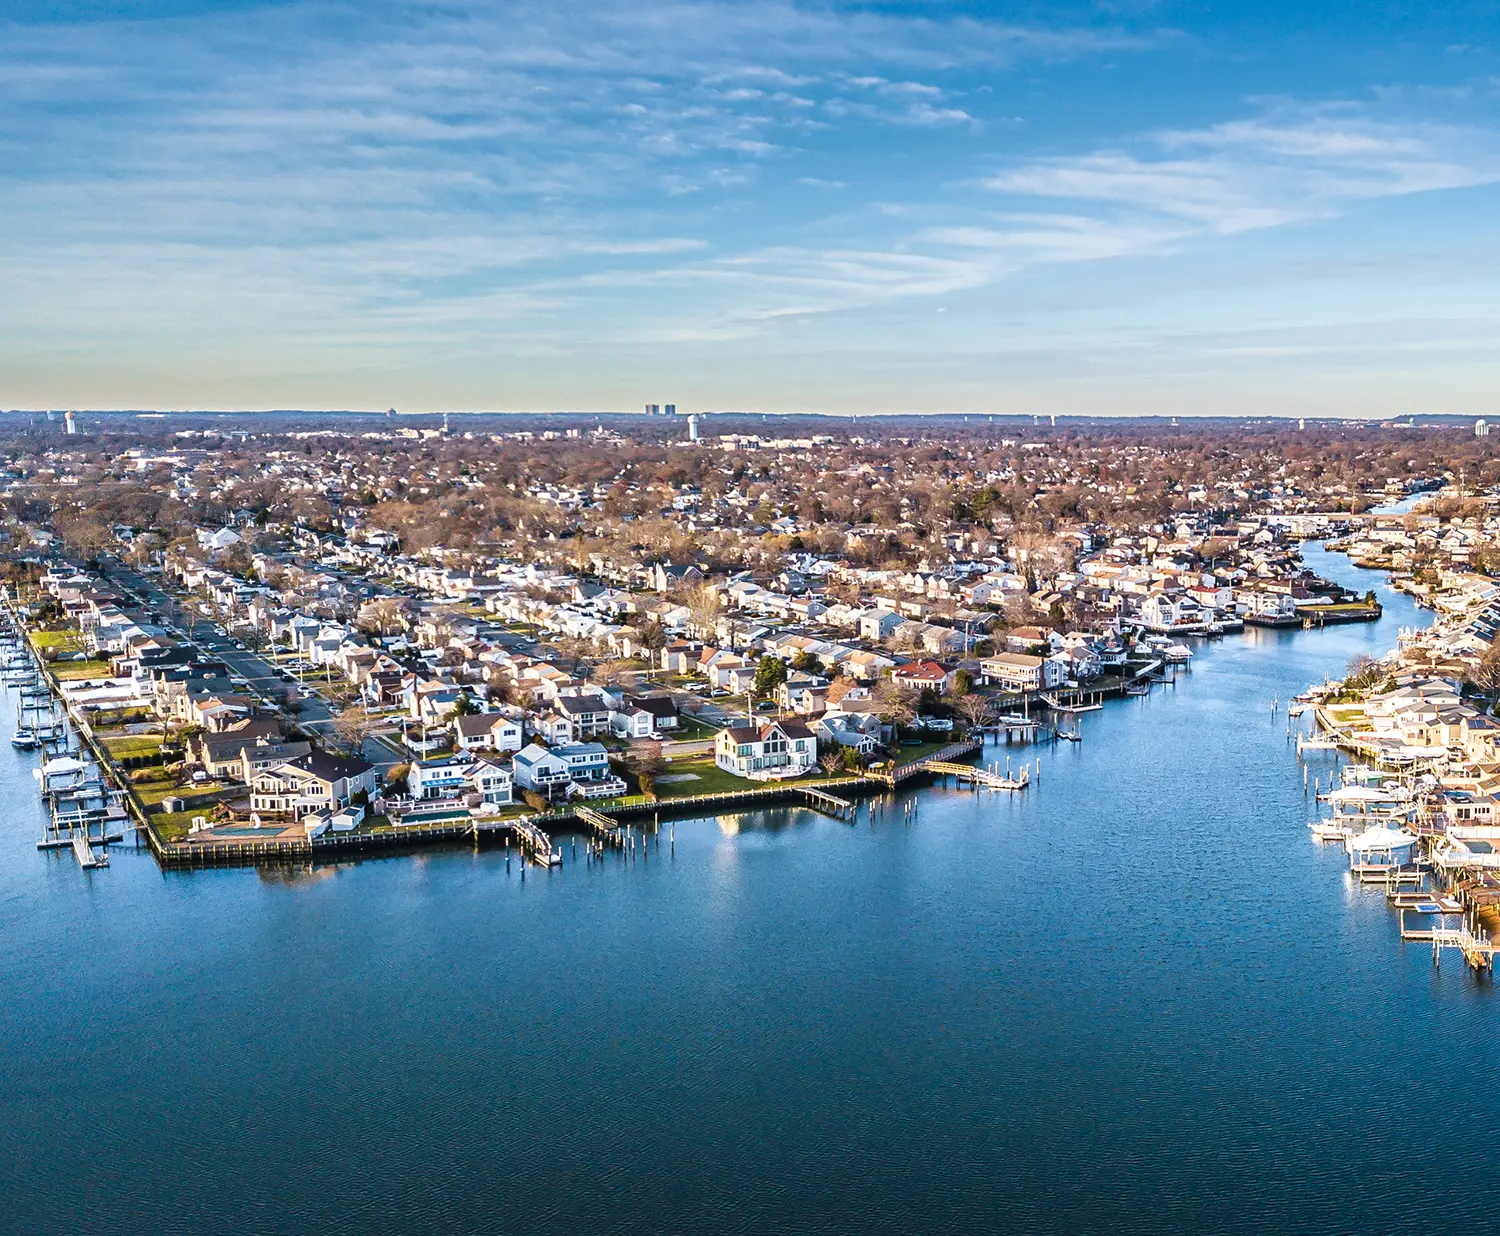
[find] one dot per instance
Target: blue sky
(1129, 207)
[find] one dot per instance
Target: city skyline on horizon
(839, 209)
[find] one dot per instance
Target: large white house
(771, 749)
(316, 782)
(579, 770)
(1166, 614)
(456, 776)
(1020, 671)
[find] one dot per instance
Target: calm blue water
(1136, 999)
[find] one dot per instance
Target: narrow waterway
(1136, 998)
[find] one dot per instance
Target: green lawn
(58, 641)
(910, 755)
(1343, 607)
(174, 825)
(690, 729)
(131, 746)
(711, 779)
(76, 671)
(714, 780)
(152, 793)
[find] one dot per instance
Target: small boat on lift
(24, 740)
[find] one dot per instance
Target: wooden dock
(983, 778)
(536, 846)
(1082, 701)
(917, 768)
(88, 858)
(606, 829)
(1476, 949)
(828, 804)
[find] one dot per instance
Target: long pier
(985, 778)
(917, 768)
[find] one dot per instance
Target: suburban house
(629, 721)
(879, 624)
(538, 769)
(771, 749)
(1018, 671)
(1024, 639)
(316, 782)
(861, 731)
(456, 776)
(669, 576)
(488, 731)
(922, 676)
(588, 713)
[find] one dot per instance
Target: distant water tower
(68, 421)
(693, 427)
(1481, 429)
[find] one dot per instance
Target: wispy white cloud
(496, 178)
(1290, 165)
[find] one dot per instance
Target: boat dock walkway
(904, 772)
(828, 804)
(1082, 701)
(86, 855)
(535, 844)
(1477, 949)
(985, 778)
(605, 828)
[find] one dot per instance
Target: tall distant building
(1481, 429)
(653, 409)
(671, 409)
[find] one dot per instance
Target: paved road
(177, 616)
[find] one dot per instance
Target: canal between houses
(1137, 998)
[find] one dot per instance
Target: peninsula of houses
(355, 628)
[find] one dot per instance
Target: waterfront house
(922, 676)
(1167, 615)
(1017, 671)
(589, 773)
(316, 782)
(461, 775)
(540, 770)
(1264, 608)
(771, 749)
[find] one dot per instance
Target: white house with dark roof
(770, 750)
(316, 782)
